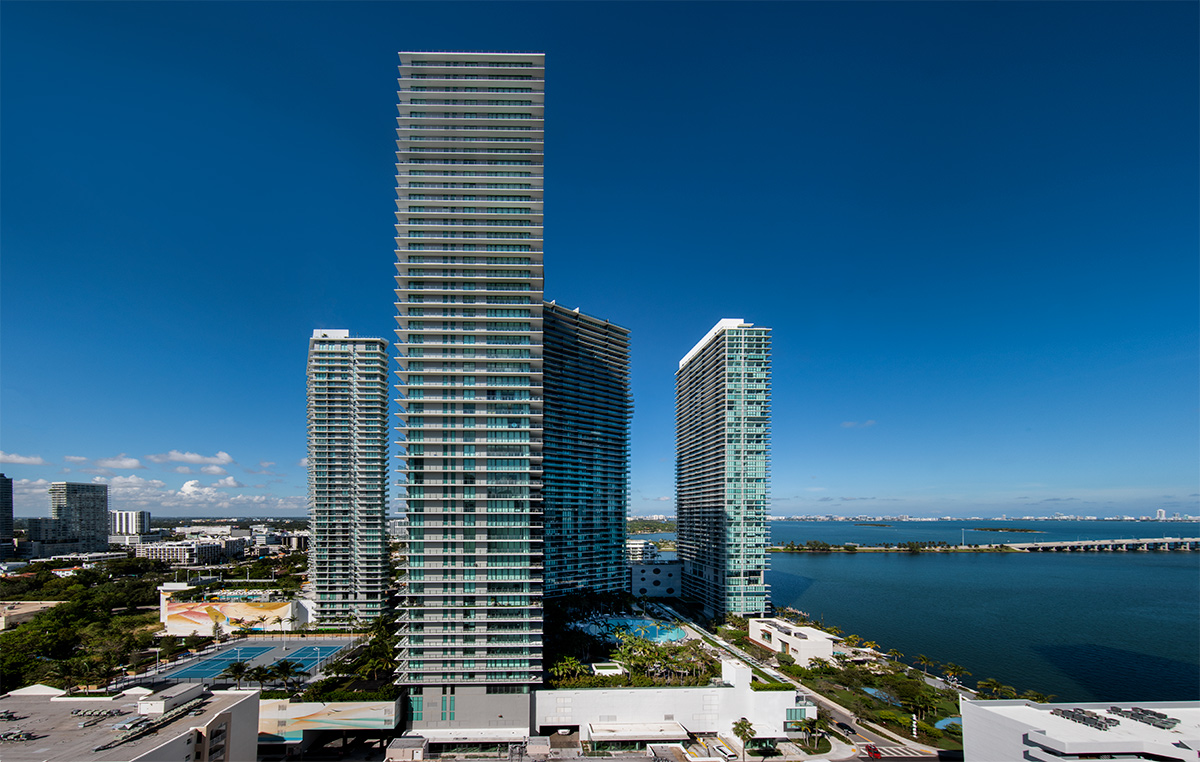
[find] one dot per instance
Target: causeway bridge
(1139, 545)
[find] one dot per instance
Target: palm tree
(851, 640)
(289, 672)
(66, 672)
(924, 661)
(745, 733)
(261, 675)
(953, 672)
(1037, 698)
(870, 645)
(566, 667)
(235, 671)
(989, 685)
(894, 655)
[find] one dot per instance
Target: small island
(648, 526)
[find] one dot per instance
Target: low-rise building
(1019, 729)
(185, 723)
(655, 580)
(640, 551)
(183, 552)
(801, 643)
(659, 715)
(13, 613)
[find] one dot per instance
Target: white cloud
(75, 459)
(213, 470)
(121, 461)
(183, 470)
(663, 499)
(22, 460)
(228, 481)
(303, 463)
(266, 463)
(856, 425)
(175, 456)
(192, 488)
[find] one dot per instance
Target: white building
(182, 552)
(347, 475)
(801, 643)
(671, 713)
(722, 446)
(640, 551)
(129, 522)
(470, 341)
(1017, 729)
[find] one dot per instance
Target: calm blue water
(1082, 626)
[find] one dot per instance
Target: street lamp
(156, 651)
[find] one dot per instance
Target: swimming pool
(651, 629)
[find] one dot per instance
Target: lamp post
(156, 651)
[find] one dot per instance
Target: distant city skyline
(972, 227)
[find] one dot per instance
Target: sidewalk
(811, 695)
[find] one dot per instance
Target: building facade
(722, 468)
(348, 565)
(586, 478)
(7, 550)
(82, 510)
(469, 338)
(129, 522)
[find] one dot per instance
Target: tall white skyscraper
(722, 468)
(128, 522)
(469, 349)
(347, 475)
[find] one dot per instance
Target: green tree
(1038, 698)
(235, 671)
(924, 661)
(261, 675)
(953, 673)
(745, 733)
(288, 672)
(990, 686)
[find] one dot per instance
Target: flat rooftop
(57, 735)
(1128, 734)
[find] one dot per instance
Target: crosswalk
(900, 751)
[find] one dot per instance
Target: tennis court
(215, 665)
(308, 656)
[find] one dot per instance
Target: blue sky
(972, 227)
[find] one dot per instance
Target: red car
(872, 751)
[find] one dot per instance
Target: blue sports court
(309, 656)
(215, 665)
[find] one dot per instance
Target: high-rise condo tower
(7, 550)
(469, 347)
(82, 513)
(587, 412)
(347, 476)
(722, 468)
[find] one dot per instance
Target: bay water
(1081, 626)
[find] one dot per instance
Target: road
(890, 747)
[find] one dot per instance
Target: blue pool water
(943, 724)
(659, 632)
